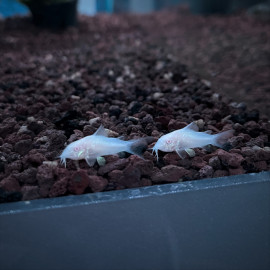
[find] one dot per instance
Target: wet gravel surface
(121, 72)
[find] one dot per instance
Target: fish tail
(221, 138)
(138, 147)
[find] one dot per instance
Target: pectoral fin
(190, 152)
(90, 161)
(181, 153)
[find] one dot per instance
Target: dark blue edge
(130, 194)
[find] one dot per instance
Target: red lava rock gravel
(121, 72)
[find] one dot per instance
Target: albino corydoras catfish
(99, 144)
(188, 137)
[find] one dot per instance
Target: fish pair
(99, 144)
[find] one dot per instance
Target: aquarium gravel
(138, 75)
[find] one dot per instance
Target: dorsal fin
(192, 126)
(101, 131)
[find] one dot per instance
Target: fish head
(165, 144)
(74, 151)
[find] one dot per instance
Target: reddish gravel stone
(115, 175)
(198, 162)
(252, 128)
(45, 173)
(206, 172)
(175, 124)
(14, 166)
(215, 163)
(97, 183)
(116, 165)
(79, 181)
(27, 176)
(59, 188)
(163, 120)
(45, 177)
(262, 155)
(171, 159)
(247, 151)
(131, 177)
(30, 193)
(229, 159)
(23, 147)
(10, 184)
(146, 182)
(56, 138)
(236, 141)
(7, 127)
(35, 157)
(170, 173)
(150, 92)
(145, 166)
(233, 171)
(261, 166)
(259, 141)
(220, 173)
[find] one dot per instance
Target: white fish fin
(221, 138)
(190, 152)
(181, 153)
(101, 131)
(208, 132)
(90, 161)
(121, 137)
(192, 126)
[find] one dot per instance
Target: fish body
(188, 137)
(98, 144)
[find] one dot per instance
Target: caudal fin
(221, 138)
(138, 147)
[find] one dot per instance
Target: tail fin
(221, 138)
(138, 147)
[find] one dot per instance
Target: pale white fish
(98, 144)
(188, 137)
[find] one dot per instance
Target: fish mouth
(63, 161)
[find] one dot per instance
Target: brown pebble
(236, 171)
(131, 177)
(198, 162)
(215, 163)
(229, 159)
(115, 175)
(30, 193)
(35, 157)
(145, 166)
(116, 165)
(59, 188)
(169, 173)
(171, 159)
(220, 173)
(175, 124)
(14, 166)
(23, 147)
(79, 181)
(27, 176)
(97, 183)
(206, 172)
(10, 184)
(261, 165)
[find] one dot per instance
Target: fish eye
(76, 148)
(169, 141)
